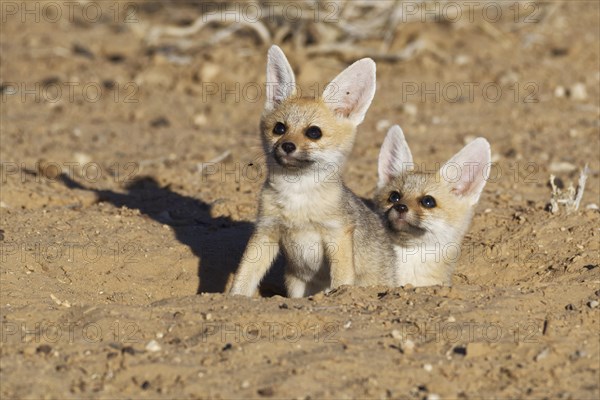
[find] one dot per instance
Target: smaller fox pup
(328, 236)
(428, 214)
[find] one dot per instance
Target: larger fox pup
(429, 213)
(328, 236)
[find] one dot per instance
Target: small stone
(228, 346)
(396, 334)
(451, 319)
(578, 92)
(382, 125)
(592, 206)
(428, 367)
(560, 91)
(153, 346)
(462, 59)
(542, 354)
(460, 350)
(209, 72)
(245, 385)
(433, 396)
(409, 109)
(408, 346)
(593, 304)
(82, 158)
(200, 120)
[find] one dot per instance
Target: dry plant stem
(204, 20)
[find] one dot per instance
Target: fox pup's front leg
(258, 257)
(339, 250)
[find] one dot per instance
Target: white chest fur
(421, 265)
(309, 210)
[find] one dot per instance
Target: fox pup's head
(430, 206)
(300, 132)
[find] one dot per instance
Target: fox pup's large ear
(281, 82)
(394, 157)
(468, 171)
(351, 92)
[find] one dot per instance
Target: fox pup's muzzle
(287, 155)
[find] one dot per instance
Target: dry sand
(101, 266)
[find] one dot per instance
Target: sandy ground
(116, 248)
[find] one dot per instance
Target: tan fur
(327, 235)
(432, 236)
(428, 235)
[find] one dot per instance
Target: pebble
(209, 72)
(409, 109)
(592, 206)
(408, 346)
(578, 92)
(153, 346)
(593, 304)
(382, 125)
(200, 120)
(462, 59)
(82, 158)
(560, 91)
(460, 350)
(245, 385)
(433, 396)
(428, 367)
(542, 354)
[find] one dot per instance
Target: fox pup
(328, 236)
(428, 214)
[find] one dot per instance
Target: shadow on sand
(218, 242)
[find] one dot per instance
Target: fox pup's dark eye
(428, 202)
(313, 132)
(394, 197)
(279, 128)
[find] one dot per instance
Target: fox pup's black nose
(401, 208)
(288, 147)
